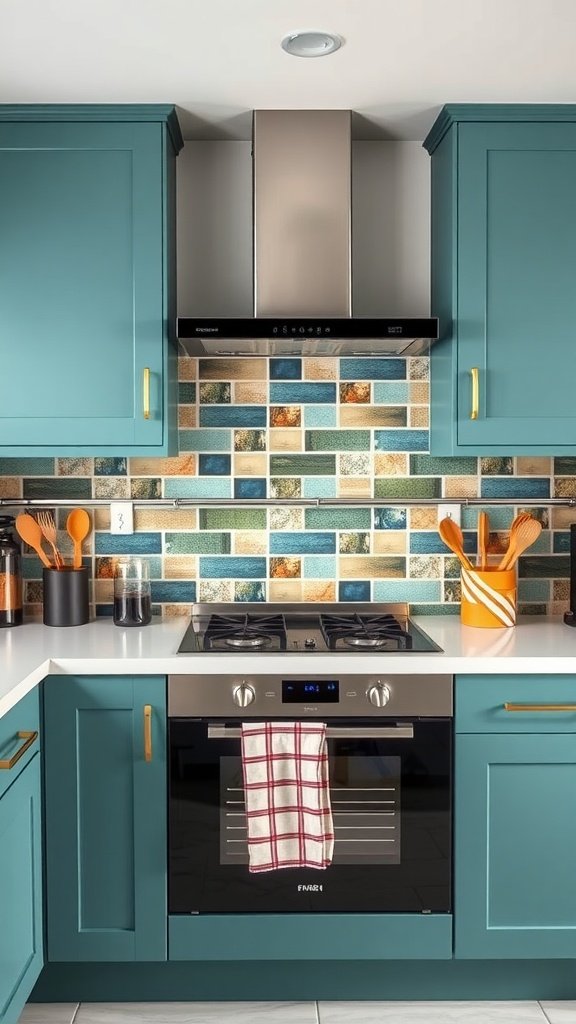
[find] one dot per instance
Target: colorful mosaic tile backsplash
(304, 428)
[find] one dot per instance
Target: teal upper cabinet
(87, 313)
(503, 270)
(105, 791)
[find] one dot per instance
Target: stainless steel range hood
(302, 252)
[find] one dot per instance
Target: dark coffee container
(66, 601)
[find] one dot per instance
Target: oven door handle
(333, 732)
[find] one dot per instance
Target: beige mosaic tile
(111, 487)
(232, 369)
(175, 611)
(461, 487)
(10, 486)
(565, 487)
(103, 591)
(373, 416)
(250, 392)
(286, 518)
(319, 369)
(285, 440)
(425, 518)
(558, 607)
(419, 416)
(561, 590)
(187, 417)
(250, 464)
(180, 465)
(419, 367)
(319, 590)
(364, 567)
(250, 542)
(285, 568)
(419, 393)
(165, 519)
(355, 487)
(215, 590)
(101, 518)
(355, 464)
(180, 567)
(425, 566)
(83, 466)
(533, 465)
(389, 542)
(285, 590)
(187, 368)
(561, 517)
(390, 464)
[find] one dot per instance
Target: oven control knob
(379, 695)
(243, 695)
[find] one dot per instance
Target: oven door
(390, 787)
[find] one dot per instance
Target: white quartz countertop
(29, 653)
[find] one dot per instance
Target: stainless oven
(390, 754)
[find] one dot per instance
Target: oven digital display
(321, 691)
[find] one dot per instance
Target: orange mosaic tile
(319, 590)
(419, 416)
(461, 487)
(419, 392)
(186, 416)
(285, 568)
(320, 369)
(250, 392)
(355, 391)
(187, 368)
(423, 518)
(285, 415)
(390, 464)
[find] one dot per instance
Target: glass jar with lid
(11, 613)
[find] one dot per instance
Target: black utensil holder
(66, 601)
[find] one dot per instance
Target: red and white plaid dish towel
(288, 812)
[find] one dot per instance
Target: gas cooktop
(303, 629)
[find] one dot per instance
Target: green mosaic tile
(186, 392)
(145, 487)
(434, 609)
(302, 465)
(497, 465)
(406, 487)
(337, 440)
(430, 465)
(531, 609)
(286, 487)
(232, 519)
(197, 543)
(249, 440)
(214, 393)
(564, 465)
(544, 566)
(59, 487)
(346, 518)
(26, 467)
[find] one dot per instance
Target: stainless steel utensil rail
(333, 732)
(176, 503)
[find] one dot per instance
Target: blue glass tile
(390, 518)
(429, 542)
(500, 516)
(104, 611)
(319, 567)
(373, 369)
(249, 487)
(515, 487)
(354, 590)
(543, 544)
(302, 543)
(205, 440)
(214, 465)
(26, 467)
(110, 466)
(299, 394)
(175, 591)
(233, 416)
(392, 393)
(250, 591)
(31, 567)
(401, 440)
(128, 544)
(320, 416)
(235, 567)
(205, 487)
(186, 392)
(285, 369)
(407, 590)
(319, 487)
(561, 542)
(533, 590)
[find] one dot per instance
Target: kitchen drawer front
(480, 704)
(24, 717)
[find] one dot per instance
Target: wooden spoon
(523, 536)
(78, 526)
(483, 538)
(522, 517)
(452, 536)
(31, 534)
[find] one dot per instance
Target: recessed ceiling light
(311, 44)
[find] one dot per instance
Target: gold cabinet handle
(146, 392)
(148, 732)
(475, 405)
(29, 738)
(539, 707)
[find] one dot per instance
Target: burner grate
(245, 632)
(368, 632)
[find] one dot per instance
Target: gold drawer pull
(29, 738)
(146, 392)
(148, 732)
(475, 393)
(539, 707)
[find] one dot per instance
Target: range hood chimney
(302, 252)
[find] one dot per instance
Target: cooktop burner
(304, 629)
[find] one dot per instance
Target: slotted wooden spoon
(522, 535)
(452, 536)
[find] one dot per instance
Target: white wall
(390, 225)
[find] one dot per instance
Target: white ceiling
(219, 59)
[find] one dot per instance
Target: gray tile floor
(561, 1012)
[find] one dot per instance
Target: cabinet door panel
(516, 295)
(81, 284)
(105, 819)
(21, 954)
(515, 828)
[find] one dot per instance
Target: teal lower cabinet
(303, 937)
(21, 946)
(515, 845)
(105, 792)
